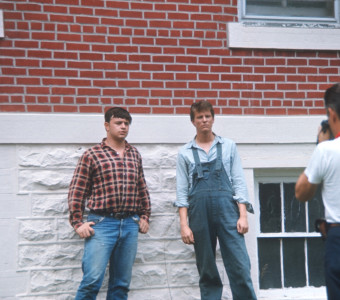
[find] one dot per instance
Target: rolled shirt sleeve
(314, 170)
(182, 181)
(238, 180)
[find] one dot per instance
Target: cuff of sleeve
(77, 225)
(179, 204)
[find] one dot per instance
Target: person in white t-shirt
(324, 168)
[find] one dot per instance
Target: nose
(124, 126)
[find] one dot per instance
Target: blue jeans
(114, 242)
(332, 263)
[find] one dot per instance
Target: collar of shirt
(104, 145)
(193, 144)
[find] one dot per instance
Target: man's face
(203, 121)
(117, 128)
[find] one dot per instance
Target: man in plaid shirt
(109, 180)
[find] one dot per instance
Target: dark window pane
(315, 250)
(269, 263)
(270, 207)
(315, 209)
(295, 211)
(294, 262)
(291, 8)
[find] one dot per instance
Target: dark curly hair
(117, 112)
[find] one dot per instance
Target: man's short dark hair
(200, 106)
(117, 112)
(332, 98)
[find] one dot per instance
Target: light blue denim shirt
(231, 162)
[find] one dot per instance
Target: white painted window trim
(243, 35)
(2, 31)
(279, 176)
(285, 33)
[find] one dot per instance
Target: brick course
(152, 57)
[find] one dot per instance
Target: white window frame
(287, 33)
(329, 21)
(279, 176)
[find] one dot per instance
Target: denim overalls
(214, 214)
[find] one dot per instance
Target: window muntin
(290, 10)
(290, 252)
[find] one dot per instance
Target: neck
(117, 145)
(204, 138)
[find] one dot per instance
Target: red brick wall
(151, 56)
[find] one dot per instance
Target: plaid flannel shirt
(108, 183)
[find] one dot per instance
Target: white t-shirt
(324, 167)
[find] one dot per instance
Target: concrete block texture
(40, 254)
(42, 259)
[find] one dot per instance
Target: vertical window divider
(306, 262)
(307, 217)
(283, 227)
(306, 243)
(337, 11)
(281, 262)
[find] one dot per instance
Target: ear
(106, 125)
(332, 116)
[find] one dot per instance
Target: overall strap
(219, 156)
(197, 163)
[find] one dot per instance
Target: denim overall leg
(213, 214)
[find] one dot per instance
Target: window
(289, 10)
(286, 24)
(290, 252)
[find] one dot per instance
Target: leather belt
(333, 224)
(116, 215)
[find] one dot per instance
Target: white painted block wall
(40, 255)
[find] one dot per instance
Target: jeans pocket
(95, 218)
(136, 219)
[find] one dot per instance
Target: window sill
(269, 37)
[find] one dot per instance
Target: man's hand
(143, 226)
(242, 225)
(85, 230)
(187, 235)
